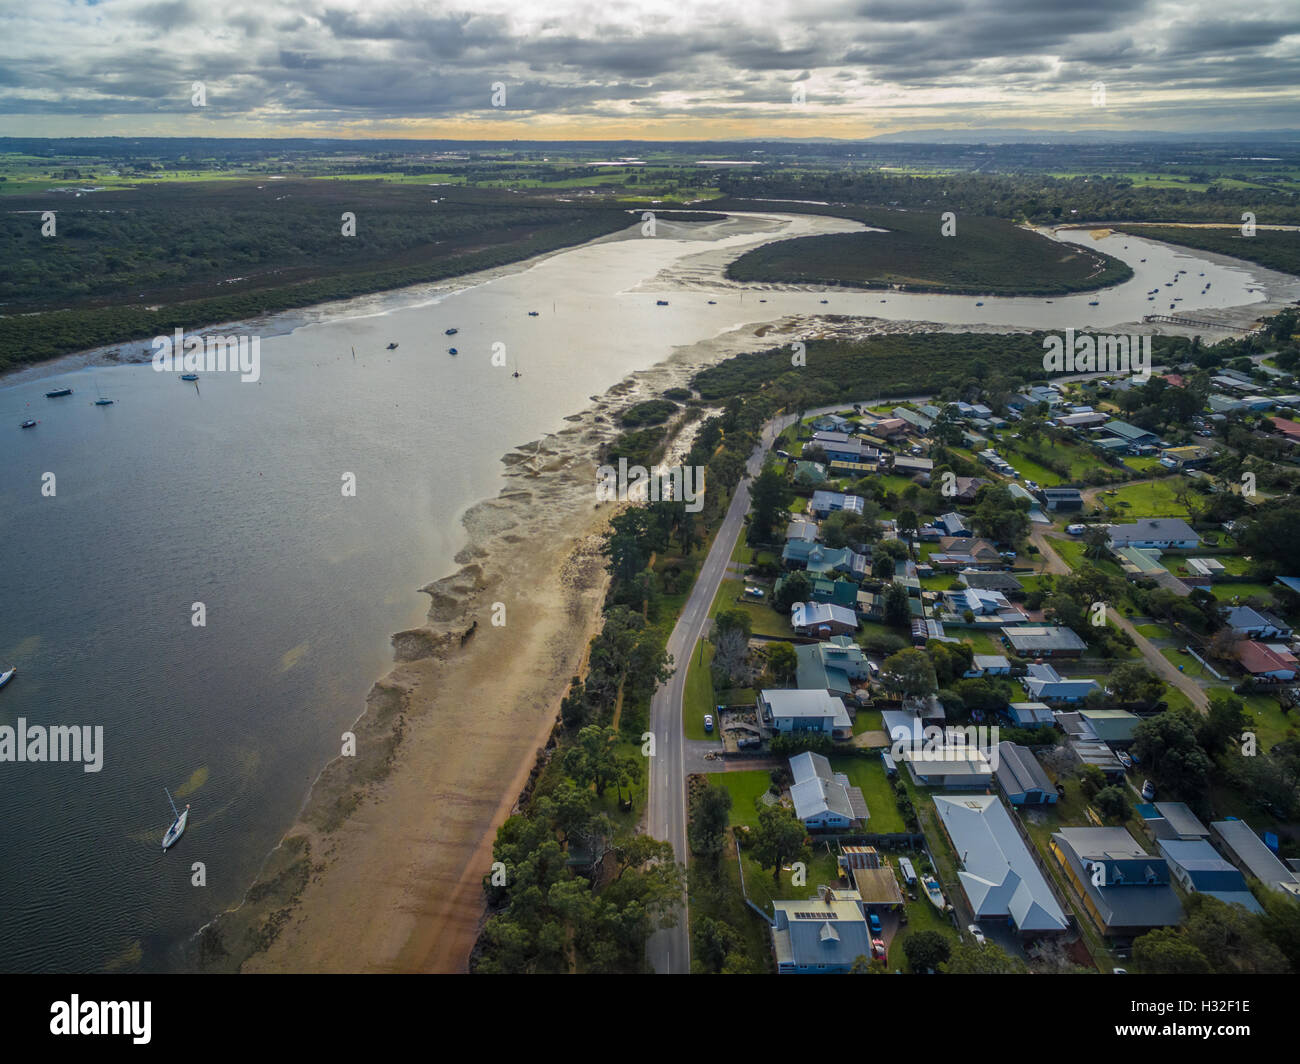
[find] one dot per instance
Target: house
(1265, 662)
(1004, 582)
(839, 446)
(1044, 642)
(1165, 533)
(966, 488)
(872, 876)
(1111, 726)
(834, 666)
(1031, 714)
(1084, 420)
(988, 665)
(804, 711)
(807, 474)
(836, 592)
(833, 423)
(980, 603)
(908, 417)
(1247, 851)
(801, 530)
(1098, 754)
(951, 765)
(819, 559)
(1125, 890)
(820, 935)
(823, 799)
(1185, 457)
(1022, 778)
(906, 466)
(1062, 500)
(953, 525)
(824, 503)
(1140, 563)
(888, 428)
(1171, 820)
(1133, 436)
(1197, 866)
(822, 619)
(1251, 623)
(1289, 429)
(1223, 404)
(957, 552)
(1042, 683)
(998, 874)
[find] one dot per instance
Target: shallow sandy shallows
(399, 838)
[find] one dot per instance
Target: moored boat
(178, 825)
(189, 376)
(8, 674)
(29, 424)
(58, 392)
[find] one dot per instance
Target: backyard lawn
(1150, 499)
(869, 774)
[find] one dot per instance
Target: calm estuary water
(229, 494)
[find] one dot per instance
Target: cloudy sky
(653, 69)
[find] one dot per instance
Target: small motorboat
(58, 393)
(532, 313)
(1094, 303)
(714, 302)
(8, 674)
(392, 346)
(664, 302)
(979, 304)
(1142, 260)
(516, 373)
(452, 351)
(825, 300)
(178, 825)
(189, 376)
(933, 892)
(29, 424)
(103, 402)
(449, 332)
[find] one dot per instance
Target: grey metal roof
(1019, 772)
(999, 875)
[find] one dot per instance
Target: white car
(754, 592)
(708, 722)
(1148, 791)
(976, 934)
(1076, 530)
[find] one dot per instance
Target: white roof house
(796, 710)
(823, 798)
(998, 874)
(948, 766)
(812, 617)
(1163, 532)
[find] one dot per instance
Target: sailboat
(102, 400)
(8, 674)
(178, 825)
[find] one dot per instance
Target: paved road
(669, 950)
(1150, 652)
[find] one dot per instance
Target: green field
(1147, 499)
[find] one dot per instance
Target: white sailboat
(178, 825)
(8, 674)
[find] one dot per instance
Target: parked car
(754, 592)
(1076, 530)
(1148, 790)
(976, 934)
(708, 722)
(878, 948)
(873, 922)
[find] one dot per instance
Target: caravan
(909, 876)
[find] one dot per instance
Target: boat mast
(171, 803)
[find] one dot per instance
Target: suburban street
(670, 949)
